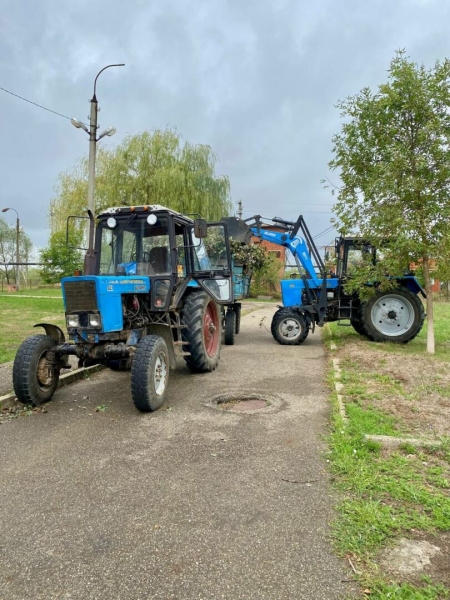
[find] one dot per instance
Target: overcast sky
(257, 80)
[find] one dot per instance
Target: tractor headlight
(72, 321)
(94, 321)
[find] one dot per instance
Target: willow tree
(150, 168)
(393, 157)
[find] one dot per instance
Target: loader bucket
(238, 229)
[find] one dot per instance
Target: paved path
(190, 502)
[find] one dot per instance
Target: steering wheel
(145, 257)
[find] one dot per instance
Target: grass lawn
(18, 314)
(395, 390)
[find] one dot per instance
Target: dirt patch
(414, 389)
(420, 555)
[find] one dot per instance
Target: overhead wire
(34, 103)
(323, 232)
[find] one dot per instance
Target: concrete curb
(384, 440)
(9, 400)
(394, 442)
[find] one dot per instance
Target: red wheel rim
(211, 329)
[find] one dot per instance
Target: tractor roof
(147, 208)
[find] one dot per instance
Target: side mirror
(200, 228)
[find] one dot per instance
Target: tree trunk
(430, 321)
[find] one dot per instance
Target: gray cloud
(258, 81)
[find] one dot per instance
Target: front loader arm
(296, 245)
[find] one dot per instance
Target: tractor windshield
(132, 246)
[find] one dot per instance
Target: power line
(35, 104)
(323, 232)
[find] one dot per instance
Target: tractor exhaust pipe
(89, 257)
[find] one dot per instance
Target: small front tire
(35, 379)
(150, 373)
(289, 327)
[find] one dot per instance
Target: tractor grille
(80, 295)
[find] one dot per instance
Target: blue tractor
(150, 293)
(396, 315)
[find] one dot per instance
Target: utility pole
(240, 209)
(93, 139)
(17, 246)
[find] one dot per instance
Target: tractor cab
(160, 244)
(351, 252)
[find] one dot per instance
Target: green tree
(393, 159)
(59, 258)
(150, 168)
(8, 249)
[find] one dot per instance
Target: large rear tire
(150, 373)
(289, 327)
(35, 379)
(201, 316)
(358, 326)
(230, 327)
(394, 316)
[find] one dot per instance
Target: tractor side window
(201, 259)
(215, 249)
(181, 253)
(354, 258)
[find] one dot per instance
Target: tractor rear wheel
(289, 327)
(358, 326)
(394, 316)
(150, 373)
(230, 327)
(201, 315)
(35, 378)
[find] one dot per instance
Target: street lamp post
(17, 245)
(93, 139)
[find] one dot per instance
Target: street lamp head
(109, 132)
(79, 125)
(5, 209)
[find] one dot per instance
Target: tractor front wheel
(35, 370)
(394, 316)
(289, 327)
(230, 327)
(150, 373)
(201, 317)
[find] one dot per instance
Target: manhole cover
(243, 405)
(246, 402)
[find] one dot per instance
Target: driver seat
(159, 260)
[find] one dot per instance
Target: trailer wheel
(150, 373)
(289, 327)
(230, 327)
(35, 379)
(201, 315)
(394, 316)
(237, 310)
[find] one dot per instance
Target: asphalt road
(190, 502)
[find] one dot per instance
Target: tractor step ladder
(345, 309)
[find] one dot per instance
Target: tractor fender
(53, 331)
